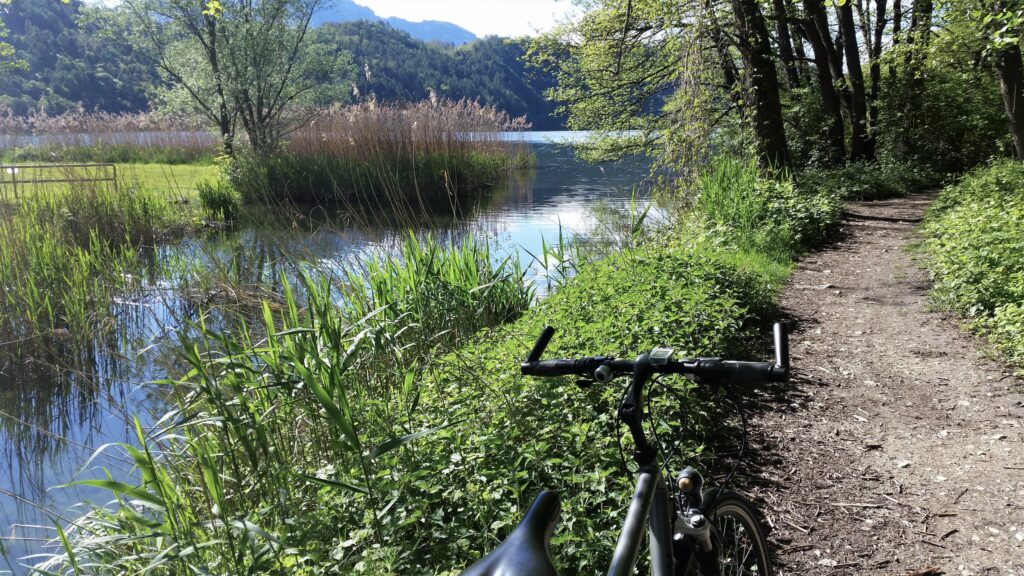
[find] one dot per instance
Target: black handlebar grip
(782, 348)
(541, 344)
(748, 373)
(551, 368)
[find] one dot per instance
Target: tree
(234, 61)
(1006, 24)
(626, 64)
(8, 59)
(755, 49)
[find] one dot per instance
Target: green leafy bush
(868, 180)
(766, 214)
(976, 246)
(219, 199)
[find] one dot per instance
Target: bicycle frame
(651, 505)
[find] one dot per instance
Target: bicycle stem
(631, 411)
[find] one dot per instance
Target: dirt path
(899, 449)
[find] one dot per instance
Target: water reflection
(57, 408)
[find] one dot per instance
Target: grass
(975, 247)
(176, 181)
(377, 423)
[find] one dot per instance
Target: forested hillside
(67, 60)
(71, 58)
(396, 66)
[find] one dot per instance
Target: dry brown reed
(370, 151)
(371, 130)
(99, 136)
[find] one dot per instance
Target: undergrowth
(869, 180)
(381, 426)
(975, 243)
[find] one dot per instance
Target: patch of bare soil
(899, 449)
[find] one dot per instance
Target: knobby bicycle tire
(738, 539)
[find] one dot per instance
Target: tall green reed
(306, 407)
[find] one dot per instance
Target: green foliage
(947, 116)
(764, 214)
(379, 424)
(399, 68)
(324, 412)
(219, 199)
(976, 246)
(868, 180)
(65, 256)
(69, 62)
(615, 67)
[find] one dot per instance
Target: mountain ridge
(341, 11)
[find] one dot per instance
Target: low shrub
(219, 199)
(975, 243)
(868, 180)
(766, 214)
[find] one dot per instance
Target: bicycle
(698, 532)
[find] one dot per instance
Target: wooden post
(14, 181)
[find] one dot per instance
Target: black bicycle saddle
(525, 551)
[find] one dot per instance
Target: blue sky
(481, 17)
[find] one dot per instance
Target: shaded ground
(899, 449)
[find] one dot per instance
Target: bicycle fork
(691, 531)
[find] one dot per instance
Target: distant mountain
(434, 31)
(340, 11)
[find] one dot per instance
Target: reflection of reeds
(101, 137)
(387, 154)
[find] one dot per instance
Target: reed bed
(269, 428)
(79, 136)
(66, 253)
(370, 151)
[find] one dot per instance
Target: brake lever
(585, 383)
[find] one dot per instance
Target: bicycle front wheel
(740, 546)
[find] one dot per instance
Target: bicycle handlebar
(713, 369)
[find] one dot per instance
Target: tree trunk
(917, 41)
(831, 106)
(862, 147)
(785, 44)
(801, 56)
(897, 27)
(876, 64)
(819, 23)
(1011, 79)
(224, 120)
(755, 49)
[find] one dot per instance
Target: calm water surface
(55, 414)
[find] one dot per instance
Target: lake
(55, 413)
